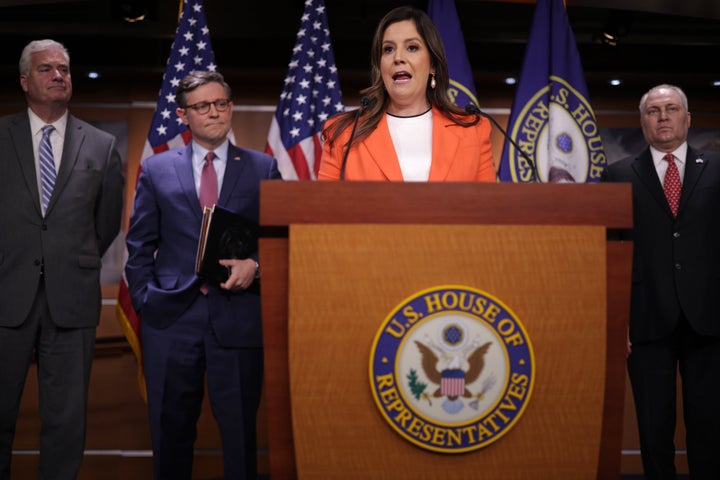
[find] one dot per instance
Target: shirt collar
(680, 154)
(199, 151)
(36, 123)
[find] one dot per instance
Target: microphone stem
(352, 135)
(527, 158)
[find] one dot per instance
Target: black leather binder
(224, 235)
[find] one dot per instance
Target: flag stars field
(311, 94)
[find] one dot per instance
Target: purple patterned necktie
(47, 166)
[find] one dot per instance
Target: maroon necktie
(208, 182)
(671, 184)
(208, 192)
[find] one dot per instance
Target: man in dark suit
(189, 328)
(51, 243)
(675, 311)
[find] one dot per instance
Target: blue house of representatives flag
(551, 118)
(462, 88)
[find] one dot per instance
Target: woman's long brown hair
(378, 96)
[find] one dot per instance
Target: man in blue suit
(674, 310)
(189, 328)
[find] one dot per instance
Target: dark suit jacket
(163, 237)
(676, 261)
(82, 220)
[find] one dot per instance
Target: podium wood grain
(346, 279)
(294, 203)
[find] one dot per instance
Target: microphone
(364, 102)
(473, 109)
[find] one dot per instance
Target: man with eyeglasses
(191, 328)
(674, 310)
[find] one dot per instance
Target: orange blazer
(460, 154)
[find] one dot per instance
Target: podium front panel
(344, 280)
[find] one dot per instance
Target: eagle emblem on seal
(452, 380)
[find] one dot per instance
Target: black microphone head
(364, 102)
(472, 109)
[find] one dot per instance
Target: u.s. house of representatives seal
(451, 369)
(557, 129)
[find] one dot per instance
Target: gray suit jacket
(82, 220)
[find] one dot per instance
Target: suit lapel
(233, 169)
(184, 170)
(22, 141)
(380, 149)
(444, 147)
(645, 169)
(694, 166)
(74, 138)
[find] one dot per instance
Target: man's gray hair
(683, 97)
(39, 46)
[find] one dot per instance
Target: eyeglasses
(202, 108)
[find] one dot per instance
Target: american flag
(310, 96)
(191, 50)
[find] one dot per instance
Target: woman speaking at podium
(406, 128)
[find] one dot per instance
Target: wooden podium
(338, 257)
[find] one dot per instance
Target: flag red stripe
(299, 161)
(160, 148)
(130, 325)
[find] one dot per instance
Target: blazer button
(678, 266)
(676, 234)
(37, 262)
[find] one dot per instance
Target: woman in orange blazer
(407, 129)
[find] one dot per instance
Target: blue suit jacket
(163, 237)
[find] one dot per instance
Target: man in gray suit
(50, 256)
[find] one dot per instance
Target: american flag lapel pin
(698, 160)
